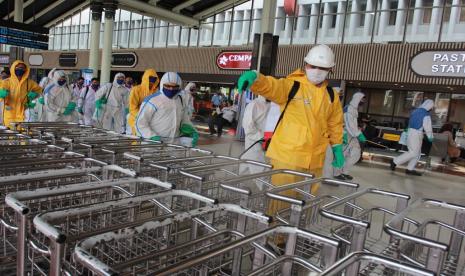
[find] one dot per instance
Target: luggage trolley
(12, 138)
(362, 216)
(57, 232)
(373, 264)
(146, 248)
(435, 241)
(11, 152)
(12, 225)
(251, 260)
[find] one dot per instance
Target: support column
(300, 24)
(417, 17)
(368, 24)
(110, 7)
(341, 7)
(453, 19)
(267, 25)
(383, 19)
(400, 18)
(313, 26)
(326, 21)
(18, 13)
(354, 18)
(96, 10)
(435, 19)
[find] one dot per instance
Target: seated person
(452, 149)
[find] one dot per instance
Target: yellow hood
(13, 77)
(145, 80)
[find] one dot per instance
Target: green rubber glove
(41, 100)
(155, 138)
(80, 110)
(126, 111)
(99, 103)
(69, 108)
(361, 137)
(3, 93)
(430, 139)
(31, 95)
(338, 156)
(190, 131)
(246, 80)
(30, 104)
(104, 100)
(344, 138)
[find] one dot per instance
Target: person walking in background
(60, 101)
(420, 121)
(86, 102)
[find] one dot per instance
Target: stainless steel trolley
(431, 234)
(57, 232)
(373, 264)
(149, 247)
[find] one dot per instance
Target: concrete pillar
(383, 18)
(288, 29)
(96, 10)
(453, 19)
(298, 33)
(245, 26)
(400, 18)
(219, 28)
(435, 20)
(110, 7)
(18, 13)
(326, 20)
(417, 17)
(341, 7)
(267, 25)
(369, 18)
(354, 18)
(313, 26)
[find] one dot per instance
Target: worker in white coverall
(86, 102)
(188, 90)
(60, 102)
(164, 115)
(39, 109)
(419, 122)
(253, 122)
(112, 102)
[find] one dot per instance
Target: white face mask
(316, 76)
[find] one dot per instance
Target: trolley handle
(265, 174)
(36, 248)
(327, 210)
(356, 257)
(8, 226)
(236, 189)
(286, 199)
(285, 258)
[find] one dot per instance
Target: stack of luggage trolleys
(77, 200)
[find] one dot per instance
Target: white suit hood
(116, 78)
(172, 77)
(189, 86)
(57, 75)
(428, 105)
(356, 98)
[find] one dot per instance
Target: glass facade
(392, 108)
(318, 21)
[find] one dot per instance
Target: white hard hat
(320, 56)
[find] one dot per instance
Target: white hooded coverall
(113, 116)
(160, 115)
(415, 136)
(40, 108)
(189, 99)
(57, 99)
(352, 149)
(87, 103)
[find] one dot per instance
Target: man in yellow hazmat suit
(138, 93)
(312, 120)
(17, 93)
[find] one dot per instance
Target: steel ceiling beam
(218, 8)
(184, 5)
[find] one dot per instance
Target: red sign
(234, 60)
(291, 8)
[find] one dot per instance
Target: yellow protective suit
(15, 102)
(310, 123)
(138, 94)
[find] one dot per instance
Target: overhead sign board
(36, 59)
(234, 60)
(124, 60)
(22, 38)
(439, 64)
(67, 60)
